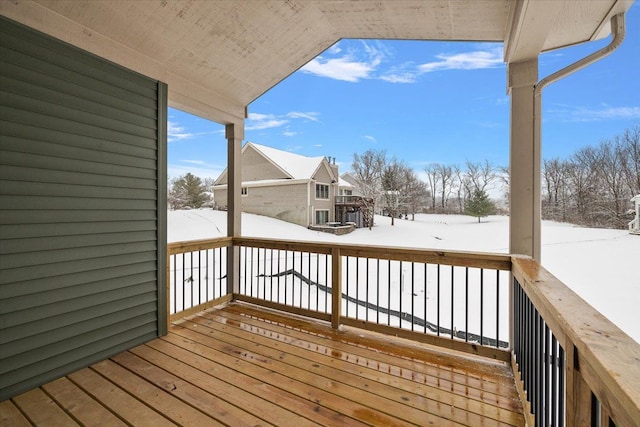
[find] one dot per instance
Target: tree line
(397, 190)
(593, 186)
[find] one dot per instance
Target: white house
(284, 185)
(634, 226)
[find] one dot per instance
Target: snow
(600, 265)
(297, 166)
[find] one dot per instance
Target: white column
(525, 161)
(234, 134)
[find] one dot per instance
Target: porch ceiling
(219, 56)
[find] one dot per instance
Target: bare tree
(459, 187)
(432, 182)
(480, 175)
(445, 177)
(367, 169)
(413, 192)
(554, 177)
(630, 144)
(393, 175)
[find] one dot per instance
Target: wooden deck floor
(241, 365)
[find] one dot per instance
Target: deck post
(336, 287)
(234, 134)
(525, 161)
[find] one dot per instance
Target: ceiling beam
(529, 27)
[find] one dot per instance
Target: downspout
(618, 32)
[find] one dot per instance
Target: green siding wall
(82, 208)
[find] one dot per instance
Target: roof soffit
(219, 56)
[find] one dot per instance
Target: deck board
(243, 365)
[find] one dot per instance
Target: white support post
(234, 134)
(525, 161)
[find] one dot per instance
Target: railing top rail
(609, 359)
(198, 245)
(456, 258)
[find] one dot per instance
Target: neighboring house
(284, 185)
(351, 205)
(634, 226)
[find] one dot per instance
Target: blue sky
(423, 102)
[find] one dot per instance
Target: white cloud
(406, 77)
(474, 60)
(258, 121)
(339, 69)
(369, 137)
(177, 133)
(313, 116)
(366, 62)
(606, 112)
(335, 49)
(195, 162)
(353, 66)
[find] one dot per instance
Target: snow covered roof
(295, 165)
(343, 183)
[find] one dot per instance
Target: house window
(322, 191)
(243, 191)
(322, 217)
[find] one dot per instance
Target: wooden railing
(196, 276)
(575, 367)
(572, 365)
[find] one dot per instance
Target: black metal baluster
(424, 290)
(357, 259)
(452, 299)
(497, 308)
(412, 294)
(366, 312)
(547, 394)
(347, 286)
(561, 387)
(466, 304)
(401, 276)
(482, 306)
(389, 294)
(554, 381)
(183, 279)
(378, 290)
(286, 262)
(438, 301)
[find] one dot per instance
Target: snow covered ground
(602, 266)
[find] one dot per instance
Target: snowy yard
(600, 265)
